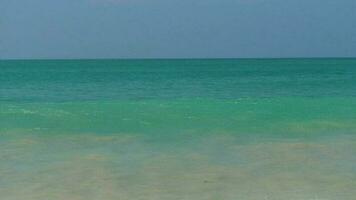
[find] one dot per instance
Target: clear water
(178, 129)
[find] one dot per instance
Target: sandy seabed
(108, 167)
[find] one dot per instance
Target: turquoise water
(178, 129)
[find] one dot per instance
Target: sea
(178, 129)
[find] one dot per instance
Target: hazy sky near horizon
(177, 28)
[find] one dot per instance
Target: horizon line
(184, 58)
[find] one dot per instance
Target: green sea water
(178, 129)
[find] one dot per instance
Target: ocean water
(249, 129)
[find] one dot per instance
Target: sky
(45, 29)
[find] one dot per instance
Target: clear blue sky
(177, 28)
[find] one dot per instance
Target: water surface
(178, 129)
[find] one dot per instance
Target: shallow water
(178, 129)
